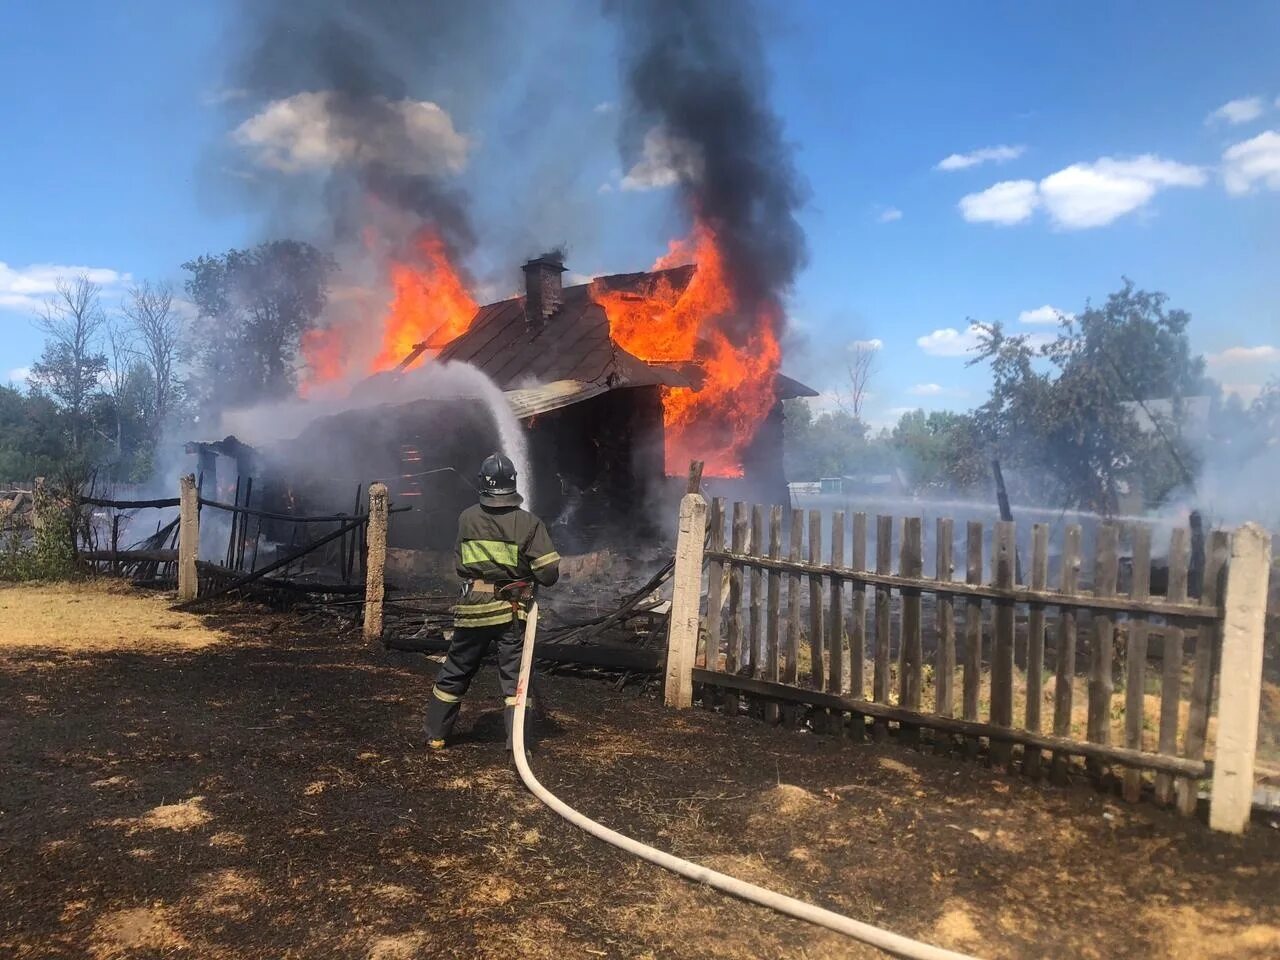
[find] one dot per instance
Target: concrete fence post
(188, 538)
(686, 601)
(1240, 679)
(375, 562)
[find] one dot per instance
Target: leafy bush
(45, 553)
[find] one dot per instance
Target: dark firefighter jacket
(496, 546)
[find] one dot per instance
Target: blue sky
(1119, 139)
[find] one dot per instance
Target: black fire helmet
(497, 481)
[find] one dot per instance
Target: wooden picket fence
(807, 636)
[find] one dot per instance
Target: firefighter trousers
(466, 653)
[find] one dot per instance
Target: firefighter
(503, 553)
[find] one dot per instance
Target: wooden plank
(771, 664)
(756, 618)
(1035, 643)
(1171, 662)
(1204, 666)
(973, 630)
(715, 586)
(815, 600)
(945, 666)
(790, 670)
(968, 728)
(835, 622)
(1065, 668)
(880, 669)
(858, 621)
(1083, 600)
(733, 645)
(1002, 644)
(1105, 573)
(1135, 684)
(911, 681)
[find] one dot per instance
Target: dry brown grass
(96, 616)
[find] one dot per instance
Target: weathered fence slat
(972, 629)
(791, 668)
(858, 626)
(733, 645)
(1065, 668)
(945, 667)
(1171, 662)
(1002, 645)
(1202, 669)
(815, 601)
(911, 681)
(715, 585)
(771, 671)
(1135, 683)
(1035, 643)
(880, 671)
(760, 549)
(835, 623)
(1105, 573)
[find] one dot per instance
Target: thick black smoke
(695, 69)
(367, 57)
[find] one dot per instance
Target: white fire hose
(889, 942)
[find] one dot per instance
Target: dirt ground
(264, 794)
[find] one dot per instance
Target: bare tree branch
(69, 368)
(158, 328)
(860, 366)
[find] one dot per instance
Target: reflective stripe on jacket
(500, 545)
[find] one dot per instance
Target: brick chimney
(544, 291)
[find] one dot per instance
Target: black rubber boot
(441, 716)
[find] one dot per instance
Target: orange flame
(717, 422)
(429, 303)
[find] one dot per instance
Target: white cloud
(1082, 195)
(604, 106)
(927, 389)
(665, 161)
(889, 215)
(1264, 353)
(303, 132)
(1044, 315)
(1008, 202)
(962, 161)
(19, 375)
(1095, 194)
(874, 344)
(26, 288)
(1238, 111)
(950, 342)
(1251, 163)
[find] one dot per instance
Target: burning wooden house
(596, 417)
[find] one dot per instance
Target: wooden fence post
(686, 599)
(188, 538)
(376, 562)
(1240, 679)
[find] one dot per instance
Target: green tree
(1067, 412)
(831, 444)
(254, 305)
(941, 451)
(32, 435)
